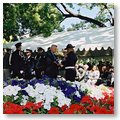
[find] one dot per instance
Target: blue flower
(76, 98)
(23, 92)
(33, 82)
(63, 85)
(51, 82)
(22, 82)
(69, 91)
(14, 82)
(40, 81)
(45, 77)
(82, 94)
(23, 86)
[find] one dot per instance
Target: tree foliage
(105, 15)
(44, 18)
(38, 18)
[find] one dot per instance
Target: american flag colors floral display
(51, 96)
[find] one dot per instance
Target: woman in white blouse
(93, 75)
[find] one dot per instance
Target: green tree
(44, 18)
(77, 26)
(38, 18)
(104, 14)
(10, 26)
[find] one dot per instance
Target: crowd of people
(26, 65)
(102, 73)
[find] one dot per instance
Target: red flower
(75, 106)
(64, 107)
(11, 108)
(68, 111)
(29, 105)
(86, 100)
(37, 106)
(102, 110)
(94, 108)
(53, 110)
(34, 112)
(75, 109)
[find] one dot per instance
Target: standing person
(29, 65)
(40, 61)
(69, 63)
(6, 64)
(17, 61)
(52, 62)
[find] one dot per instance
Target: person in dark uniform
(17, 61)
(69, 63)
(6, 64)
(40, 61)
(29, 65)
(52, 63)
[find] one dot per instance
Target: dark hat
(40, 48)
(8, 48)
(69, 46)
(28, 50)
(18, 44)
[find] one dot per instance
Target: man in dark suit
(29, 65)
(69, 63)
(52, 62)
(17, 61)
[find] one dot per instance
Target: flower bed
(87, 105)
(51, 96)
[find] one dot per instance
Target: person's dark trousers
(52, 71)
(70, 74)
(16, 73)
(38, 73)
(28, 76)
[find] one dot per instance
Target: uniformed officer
(17, 61)
(6, 64)
(29, 65)
(52, 62)
(69, 63)
(40, 61)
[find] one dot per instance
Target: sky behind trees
(46, 18)
(90, 13)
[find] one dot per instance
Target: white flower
(11, 90)
(77, 93)
(29, 88)
(48, 96)
(23, 102)
(40, 87)
(68, 102)
(47, 106)
(62, 100)
(16, 89)
(31, 91)
(42, 93)
(16, 97)
(40, 98)
(25, 97)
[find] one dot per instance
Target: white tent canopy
(91, 38)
